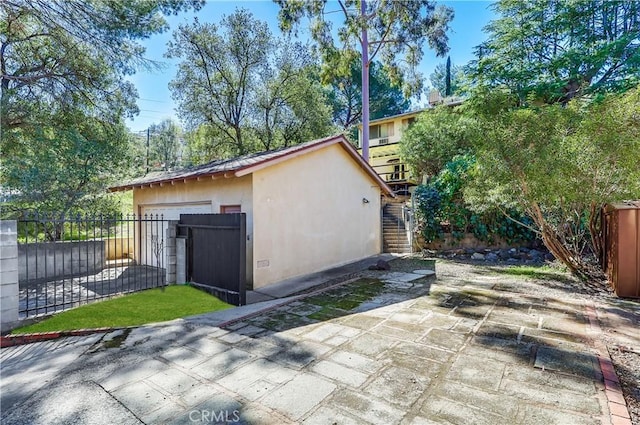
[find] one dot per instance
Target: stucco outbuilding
(308, 207)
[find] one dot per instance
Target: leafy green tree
(559, 165)
(255, 91)
(291, 106)
(165, 143)
(203, 145)
(66, 168)
(435, 138)
(555, 51)
(306, 112)
(346, 96)
(438, 78)
(64, 93)
(441, 208)
(57, 55)
(220, 65)
(394, 30)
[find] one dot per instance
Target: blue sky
(155, 101)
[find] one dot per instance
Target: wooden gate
(216, 253)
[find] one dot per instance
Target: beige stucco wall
(309, 215)
(218, 192)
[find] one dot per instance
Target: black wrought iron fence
(65, 261)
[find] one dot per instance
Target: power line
(152, 100)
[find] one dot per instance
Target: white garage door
(152, 251)
(173, 211)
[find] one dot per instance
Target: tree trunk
(596, 231)
(573, 260)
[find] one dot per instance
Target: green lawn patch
(153, 305)
(535, 272)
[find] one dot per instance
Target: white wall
(309, 215)
(192, 195)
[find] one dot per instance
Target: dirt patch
(627, 366)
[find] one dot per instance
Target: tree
(346, 96)
(435, 138)
(64, 94)
(64, 167)
(202, 146)
(59, 55)
(291, 106)
(397, 29)
(254, 91)
(554, 51)
(438, 78)
(559, 165)
(165, 143)
(219, 66)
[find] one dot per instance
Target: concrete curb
(618, 410)
(289, 301)
(21, 339)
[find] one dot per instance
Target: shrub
(440, 209)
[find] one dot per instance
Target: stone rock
(513, 251)
(477, 256)
(491, 257)
(469, 251)
(524, 249)
(380, 265)
(535, 254)
(549, 256)
(503, 254)
(512, 260)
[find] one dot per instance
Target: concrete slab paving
(79, 403)
(414, 356)
(288, 397)
(401, 276)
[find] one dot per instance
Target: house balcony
(385, 160)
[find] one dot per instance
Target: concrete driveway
(390, 348)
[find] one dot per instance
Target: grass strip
(149, 306)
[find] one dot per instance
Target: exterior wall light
(365, 201)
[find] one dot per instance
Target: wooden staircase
(394, 229)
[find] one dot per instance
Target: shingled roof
(247, 164)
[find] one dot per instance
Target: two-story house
(384, 158)
(384, 145)
(384, 149)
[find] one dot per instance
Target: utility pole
(148, 137)
(365, 82)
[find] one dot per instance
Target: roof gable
(247, 164)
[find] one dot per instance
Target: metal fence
(65, 261)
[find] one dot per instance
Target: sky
(155, 102)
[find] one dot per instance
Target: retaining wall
(56, 260)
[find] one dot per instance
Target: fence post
(8, 275)
(170, 259)
(181, 260)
